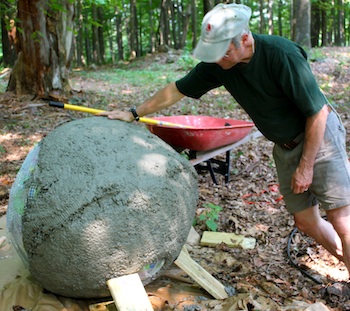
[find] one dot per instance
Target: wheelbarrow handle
(95, 111)
(74, 107)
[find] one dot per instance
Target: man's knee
(304, 224)
(340, 219)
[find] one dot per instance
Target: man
(270, 78)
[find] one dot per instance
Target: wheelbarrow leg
(228, 167)
(211, 171)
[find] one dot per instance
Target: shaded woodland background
(42, 40)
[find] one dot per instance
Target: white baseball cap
(219, 26)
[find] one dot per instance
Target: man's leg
(340, 219)
(312, 224)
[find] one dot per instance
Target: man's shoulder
(274, 41)
(273, 44)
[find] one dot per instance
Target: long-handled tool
(95, 111)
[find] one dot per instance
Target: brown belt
(293, 143)
(290, 145)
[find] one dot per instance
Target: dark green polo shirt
(276, 88)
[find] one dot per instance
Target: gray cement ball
(110, 198)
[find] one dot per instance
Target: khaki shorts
(331, 181)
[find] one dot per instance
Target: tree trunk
(164, 33)
(152, 39)
(79, 43)
(324, 23)
(45, 46)
(185, 24)
(110, 42)
(301, 22)
(100, 33)
(87, 41)
(8, 40)
(133, 41)
(95, 42)
(339, 38)
(315, 24)
(174, 25)
(119, 26)
(262, 19)
(194, 23)
(280, 27)
(207, 6)
(270, 17)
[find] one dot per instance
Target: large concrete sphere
(108, 199)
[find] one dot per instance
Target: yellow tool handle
(95, 111)
(82, 109)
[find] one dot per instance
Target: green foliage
(210, 215)
(2, 149)
(131, 77)
(316, 54)
(187, 61)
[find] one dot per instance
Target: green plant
(210, 215)
(186, 61)
(2, 149)
(316, 54)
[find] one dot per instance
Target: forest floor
(262, 278)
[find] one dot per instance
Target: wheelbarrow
(205, 137)
(203, 132)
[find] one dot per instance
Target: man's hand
(302, 178)
(314, 132)
(118, 115)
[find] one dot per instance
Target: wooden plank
(129, 294)
(202, 156)
(210, 238)
(200, 275)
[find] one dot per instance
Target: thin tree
(79, 37)
(119, 32)
(133, 30)
(270, 17)
(194, 23)
(315, 24)
(339, 37)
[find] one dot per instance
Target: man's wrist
(134, 113)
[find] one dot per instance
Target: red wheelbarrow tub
(206, 132)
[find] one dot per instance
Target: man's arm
(164, 98)
(314, 132)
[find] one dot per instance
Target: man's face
(232, 57)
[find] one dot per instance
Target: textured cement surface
(110, 199)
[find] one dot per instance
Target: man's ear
(245, 38)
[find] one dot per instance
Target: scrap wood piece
(200, 275)
(211, 238)
(129, 294)
(103, 306)
(193, 237)
(2, 241)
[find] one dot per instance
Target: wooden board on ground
(200, 275)
(210, 238)
(129, 294)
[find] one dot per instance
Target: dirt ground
(286, 270)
